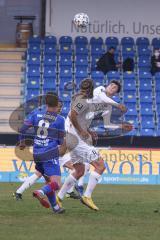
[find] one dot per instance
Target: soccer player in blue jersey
(49, 133)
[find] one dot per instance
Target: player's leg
(93, 180)
(67, 163)
(79, 186)
(71, 180)
(52, 174)
(26, 184)
(70, 192)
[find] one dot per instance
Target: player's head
(113, 88)
(51, 100)
(86, 87)
(111, 50)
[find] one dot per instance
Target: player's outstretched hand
(127, 127)
(122, 108)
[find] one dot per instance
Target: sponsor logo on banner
(123, 166)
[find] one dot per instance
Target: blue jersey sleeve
(28, 122)
(61, 131)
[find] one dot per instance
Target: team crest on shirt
(79, 106)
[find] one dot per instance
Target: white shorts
(64, 159)
(81, 151)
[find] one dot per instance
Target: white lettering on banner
(112, 18)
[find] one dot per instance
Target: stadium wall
(11, 8)
(107, 18)
(123, 166)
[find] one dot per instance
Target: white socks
(69, 182)
(93, 180)
(71, 189)
(27, 183)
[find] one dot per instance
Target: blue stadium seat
(145, 75)
(50, 49)
(96, 41)
(79, 75)
(142, 42)
(33, 71)
(148, 124)
(129, 84)
(34, 49)
(81, 50)
(50, 40)
(156, 42)
(146, 111)
(49, 84)
(129, 96)
(147, 105)
(146, 96)
(127, 41)
(158, 133)
(34, 40)
(144, 52)
(131, 111)
(94, 61)
(112, 42)
(81, 40)
(97, 75)
(97, 50)
(79, 68)
(49, 71)
(113, 75)
(65, 60)
(34, 59)
(49, 60)
(147, 132)
(129, 76)
(66, 49)
(33, 82)
(81, 60)
(145, 85)
(65, 72)
(65, 40)
(157, 86)
(144, 65)
(31, 93)
(157, 98)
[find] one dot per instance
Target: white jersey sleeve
(99, 95)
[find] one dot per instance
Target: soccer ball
(81, 20)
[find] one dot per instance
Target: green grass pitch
(126, 213)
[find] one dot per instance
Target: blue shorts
(48, 168)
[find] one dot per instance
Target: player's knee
(100, 167)
(54, 185)
(79, 171)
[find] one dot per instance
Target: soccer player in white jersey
(81, 114)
